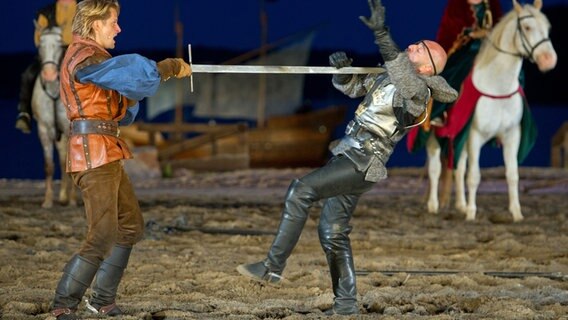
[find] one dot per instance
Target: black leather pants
(341, 185)
(27, 81)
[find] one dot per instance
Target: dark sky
(235, 27)
(235, 24)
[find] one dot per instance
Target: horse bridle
(42, 81)
(43, 64)
(524, 40)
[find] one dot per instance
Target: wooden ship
(298, 140)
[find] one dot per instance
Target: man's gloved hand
(173, 67)
(376, 22)
(185, 70)
(340, 60)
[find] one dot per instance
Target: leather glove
(376, 22)
(340, 60)
(173, 67)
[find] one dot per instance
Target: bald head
(438, 56)
(428, 57)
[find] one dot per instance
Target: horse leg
(459, 176)
(67, 190)
(434, 168)
(446, 188)
(48, 167)
(63, 193)
(68, 197)
(511, 141)
(474, 144)
(71, 189)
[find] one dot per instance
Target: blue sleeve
(130, 115)
(132, 75)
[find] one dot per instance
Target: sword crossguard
(190, 64)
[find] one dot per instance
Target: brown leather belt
(109, 128)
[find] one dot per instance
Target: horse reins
(56, 64)
(55, 97)
(44, 86)
(524, 40)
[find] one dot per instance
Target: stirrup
(24, 115)
(437, 122)
(440, 121)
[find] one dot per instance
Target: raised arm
(376, 22)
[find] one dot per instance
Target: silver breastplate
(377, 115)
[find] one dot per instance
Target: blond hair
(89, 11)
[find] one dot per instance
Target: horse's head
(531, 37)
(50, 53)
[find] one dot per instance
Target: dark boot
(27, 80)
(299, 199)
(24, 122)
(77, 277)
(259, 271)
(334, 230)
(106, 282)
(343, 282)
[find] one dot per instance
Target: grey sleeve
(356, 87)
(388, 48)
(409, 84)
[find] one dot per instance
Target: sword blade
(211, 68)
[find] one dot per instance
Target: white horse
(521, 33)
(52, 122)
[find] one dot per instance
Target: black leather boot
(24, 122)
(77, 277)
(334, 230)
(260, 272)
(106, 282)
(299, 199)
(27, 81)
(343, 282)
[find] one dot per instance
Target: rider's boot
(24, 119)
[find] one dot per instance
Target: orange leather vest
(90, 102)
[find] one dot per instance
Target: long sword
(257, 69)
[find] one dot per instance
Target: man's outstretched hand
(376, 21)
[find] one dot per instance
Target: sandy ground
(410, 264)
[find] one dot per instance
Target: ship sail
(236, 95)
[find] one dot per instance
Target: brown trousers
(112, 210)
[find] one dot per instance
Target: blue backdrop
(222, 29)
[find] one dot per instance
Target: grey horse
(50, 114)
